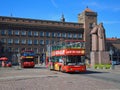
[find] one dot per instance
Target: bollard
(113, 65)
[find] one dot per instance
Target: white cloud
(54, 3)
(102, 6)
(91, 4)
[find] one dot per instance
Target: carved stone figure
(94, 37)
(98, 37)
(101, 37)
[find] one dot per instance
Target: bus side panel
(81, 68)
(58, 66)
(28, 64)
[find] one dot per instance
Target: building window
(29, 33)
(53, 42)
(42, 34)
(10, 32)
(9, 49)
(63, 35)
(3, 40)
(35, 50)
(23, 41)
(35, 41)
(41, 41)
(10, 41)
(90, 25)
(29, 42)
(23, 33)
(3, 19)
(80, 36)
(58, 34)
(17, 50)
(47, 42)
(42, 50)
(47, 34)
(17, 32)
(35, 33)
(53, 34)
(74, 35)
(23, 49)
(16, 41)
(69, 35)
(3, 32)
(29, 49)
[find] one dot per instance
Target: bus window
(75, 60)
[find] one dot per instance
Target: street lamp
(111, 55)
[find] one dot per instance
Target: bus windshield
(75, 60)
(28, 53)
(27, 60)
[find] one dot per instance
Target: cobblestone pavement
(42, 79)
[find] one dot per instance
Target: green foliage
(107, 66)
(95, 66)
(102, 66)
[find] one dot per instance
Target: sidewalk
(116, 70)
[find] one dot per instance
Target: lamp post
(111, 55)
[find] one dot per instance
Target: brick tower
(87, 17)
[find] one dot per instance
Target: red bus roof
(64, 52)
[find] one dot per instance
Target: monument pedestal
(98, 54)
(94, 58)
(101, 57)
(104, 57)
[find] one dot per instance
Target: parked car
(115, 62)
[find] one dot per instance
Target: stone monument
(98, 55)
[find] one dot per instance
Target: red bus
(67, 56)
(27, 59)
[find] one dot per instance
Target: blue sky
(108, 11)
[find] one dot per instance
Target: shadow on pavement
(39, 68)
(89, 72)
(36, 67)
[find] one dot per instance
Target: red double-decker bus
(67, 56)
(27, 59)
